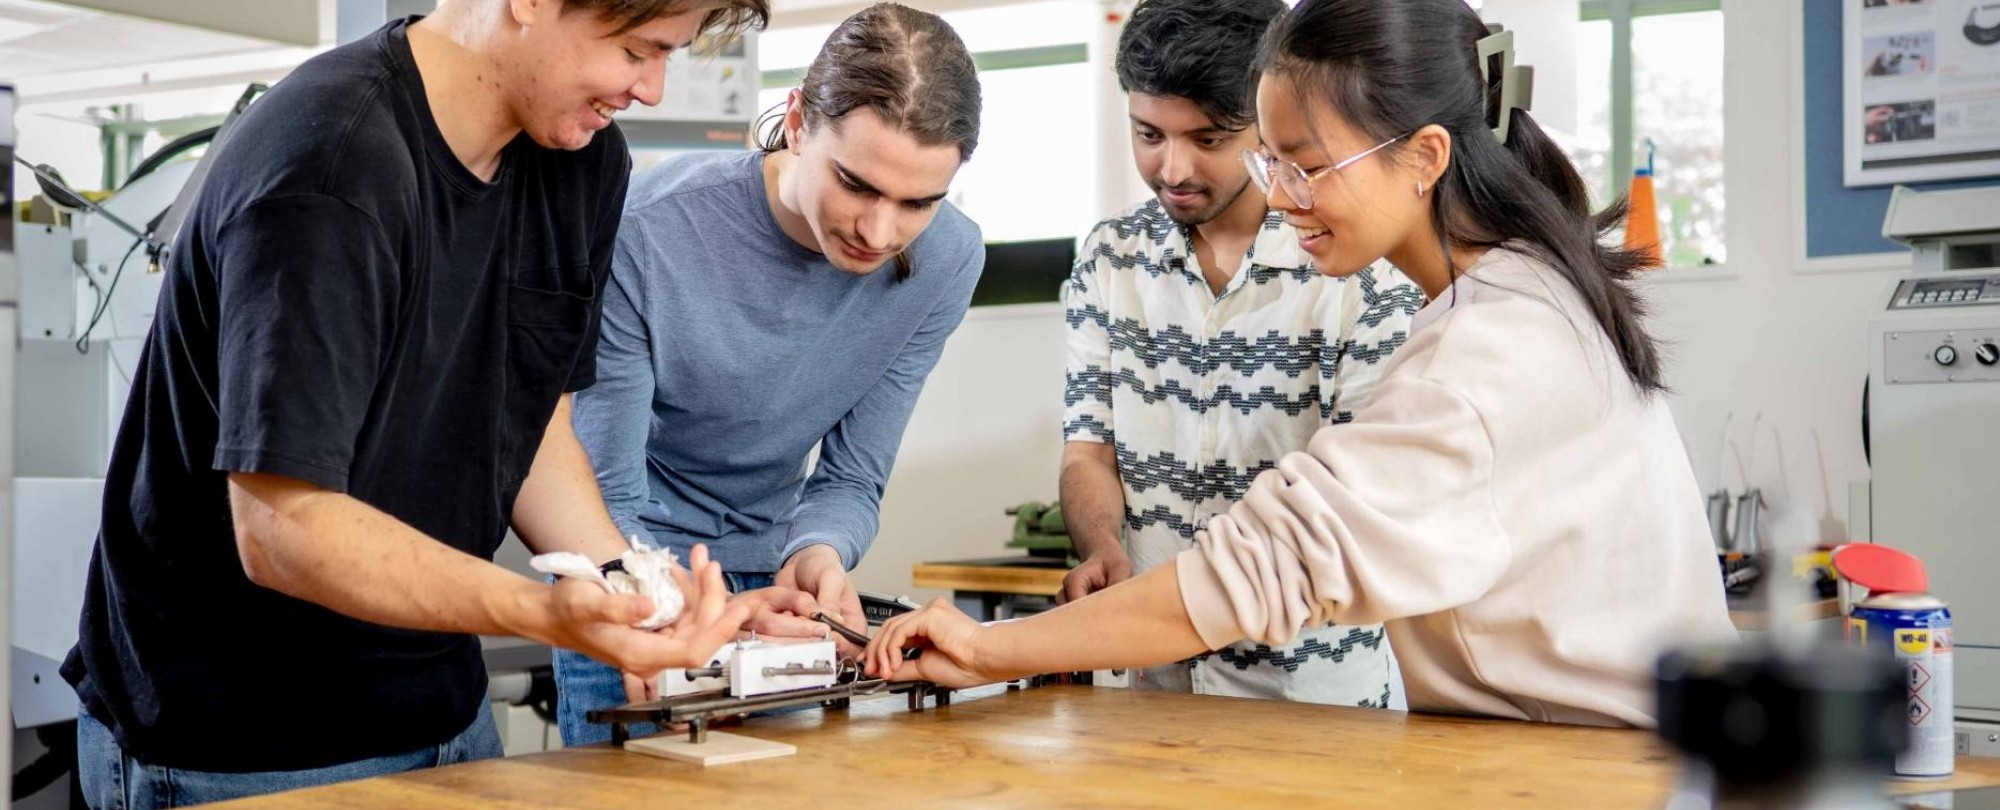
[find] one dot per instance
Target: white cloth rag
(647, 573)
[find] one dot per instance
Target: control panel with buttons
(1947, 291)
(1942, 356)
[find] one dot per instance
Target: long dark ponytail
(1392, 67)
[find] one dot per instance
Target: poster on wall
(706, 83)
(1922, 90)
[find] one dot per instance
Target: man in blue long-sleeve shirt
(763, 303)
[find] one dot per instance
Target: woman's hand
(948, 642)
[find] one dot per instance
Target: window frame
(989, 61)
(1621, 13)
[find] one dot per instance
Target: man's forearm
(1093, 500)
(560, 507)
(335, 551)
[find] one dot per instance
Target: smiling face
(571, 71)
(1193, 165)
(866, 189)
(1357, 215)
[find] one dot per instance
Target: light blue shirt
(728, 351)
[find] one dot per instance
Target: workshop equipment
(88, 279)
(853, 636)
(856, 637)
(1900, 621)
(879, 607)
(715, 676)
(698, 710)
(760, 667)
(8, 315)
(752, 676)
(1930, 430)
(1039, 529)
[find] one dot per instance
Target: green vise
(1039, 528)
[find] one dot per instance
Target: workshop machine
(1039, 529)
(89, 279)
(758, 675)
(1932, 426)
(9, 294)
(87, 290)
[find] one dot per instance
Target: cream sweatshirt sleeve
(1386, 517)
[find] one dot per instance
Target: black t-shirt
(350, 306)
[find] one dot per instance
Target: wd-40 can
(1916, 629)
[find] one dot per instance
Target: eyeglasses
(1297, 183)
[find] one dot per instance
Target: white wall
(1775, 343)
(1545, 39)
(986, 435)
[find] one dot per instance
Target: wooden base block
(721, 748)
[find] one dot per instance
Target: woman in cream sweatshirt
(1514, 501)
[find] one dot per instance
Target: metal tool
(817, 668)
(699, 709)
(58, 191)
(1749, 507)
(880, 607)
(855, 637)
(1718, 519)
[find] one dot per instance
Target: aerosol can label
(1926, 655)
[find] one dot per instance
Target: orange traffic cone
(1642, 217)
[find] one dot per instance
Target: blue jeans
(584, 685)
(113, 781)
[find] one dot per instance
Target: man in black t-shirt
(358, 379)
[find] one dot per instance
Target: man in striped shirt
(1203, 345)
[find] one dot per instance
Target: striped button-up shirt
(1201, 392)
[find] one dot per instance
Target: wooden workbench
(1014, 575)
(999, 588)
(1753, 617)
(1086, 746)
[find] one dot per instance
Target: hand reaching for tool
(585, 618)
(818, 571)
(782, 612)
(949, 642)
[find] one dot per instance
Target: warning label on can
(1929, 691)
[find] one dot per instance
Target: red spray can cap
(1880, 569)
